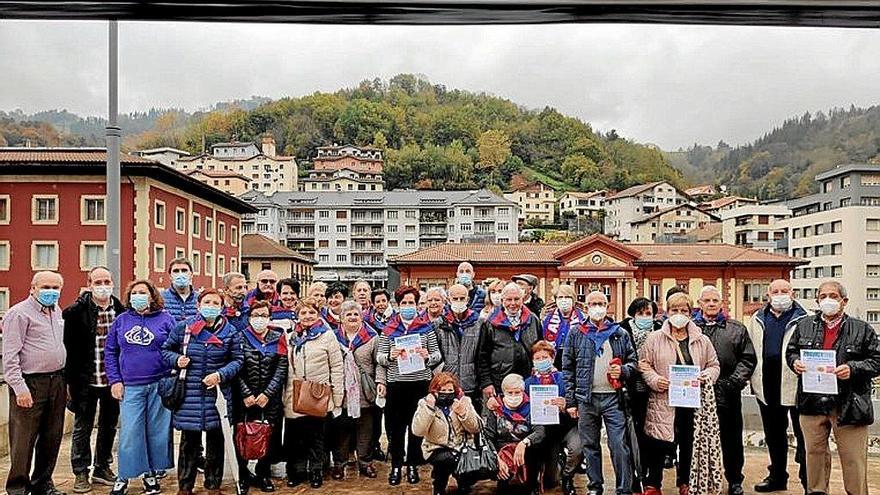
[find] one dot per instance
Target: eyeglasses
(268, 281)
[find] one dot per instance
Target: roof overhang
(819, 13)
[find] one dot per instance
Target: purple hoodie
(133, 352)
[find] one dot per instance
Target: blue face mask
(181, 280)
(643, 322)
(48, 297)
(139, 301)
(408, 313)
(543, 365)
(465, 279)
(209, 312)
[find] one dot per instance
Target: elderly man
(458, 333)
(847, 413)
(529, 283)
(775, 385)
(266, 288)
(476, 294)
(181, 298)
(237, 309)
(86, 324)
(33, 365)
(508, 335)
(361, 292)
(591, 398)
(737, 358)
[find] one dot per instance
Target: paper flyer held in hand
(543, 411)
(819, 377)
(684, 386)
(409, 360)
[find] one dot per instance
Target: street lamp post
(113, 210)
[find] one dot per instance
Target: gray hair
(230, 276)
(513, 287)
(596, 292)
(350, 306)
(438, 290)
(44, 273)
(710, 288)
(513, 381)
(841, 290)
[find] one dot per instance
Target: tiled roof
(63, 155)
(217, 174)
(698, 190)
(707, 232)
(500, 253)
(707, 253)
(632, 191)
(586, 195)
(645, 218)
(163, 149)
(722, 202)
(256, 246)
(398, 198)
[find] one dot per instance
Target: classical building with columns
(622, 271)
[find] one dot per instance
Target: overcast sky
(669, 85)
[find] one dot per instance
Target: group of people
(449, 370)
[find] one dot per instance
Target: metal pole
(113, 210)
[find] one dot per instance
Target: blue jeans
(144, 433)
(590, 416)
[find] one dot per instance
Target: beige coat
(433, 426)
(659, 350)
(789, 380)
(319, 360)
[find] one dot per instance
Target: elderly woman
(679, 341)
(505, 346)
(403, 390)
(435, 304)
(258, 393)
(133, 359)
(358, 343)
(208, 348)
(318, 292)
(444, 418)
(314, 355)
(563, 317)
(517, 441)
(337, 292)
(493, 297)
(458, 333)
(376, 318)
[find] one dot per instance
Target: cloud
(666, 84)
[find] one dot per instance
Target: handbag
(172, 389)
(310, 398)
(369, 390)
(476, 463)
(252, 439)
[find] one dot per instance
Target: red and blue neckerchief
(499, 319)
(700, 319)
(264, 347)
(303, 335)
(556, 326)
(242, 309)
(332, 321)
(360, 338)
(371, 318)
(470, 316)
(281, 313)
(516, 416)
(396, 328)
(200, 324)
(599, 335)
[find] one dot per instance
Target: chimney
(269, 146)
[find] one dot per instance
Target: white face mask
(388, 312)
(597, 313)
(495, 297)
(564, 304)
(679, 320)
(458, 307)
(513, 402)
(102, 292)
(259, 323)
(829, 307)
(781, 302)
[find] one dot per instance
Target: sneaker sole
(82, 490)
(102, 481)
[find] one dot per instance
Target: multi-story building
(537, 202)
(166, 156)
(226, 180)
(341, 180)
(838, 231)
(267, 172)
(350, 234)
(580, 204)
(624, 207)
(720, 205)
(758, 226)
(345, 168)
(53, 217)
(671, 224)
(702, 192)
(259, 252)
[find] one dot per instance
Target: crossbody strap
(186, 337)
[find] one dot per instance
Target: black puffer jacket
(858, 346)
(500, 353)
(80, 322)
(262, 373)
(736, 355)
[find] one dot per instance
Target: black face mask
(445, 399)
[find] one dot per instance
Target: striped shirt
(387, 371)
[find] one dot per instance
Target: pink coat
(659, 351)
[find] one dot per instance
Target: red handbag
(252, 439)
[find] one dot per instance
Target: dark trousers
(86, 406)
(730, 422)
(35, 433)
(190, 444)
(443, 462)
(403, 398)
(775, 419)
(346, 434)
(378, 413)
(304, 445)
(638, 405)
(658, 449)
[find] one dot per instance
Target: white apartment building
(758, 226)
(351, 234)
(537, 202)
(629, 205)
(166, 156)
(580, 204)
(671, 224)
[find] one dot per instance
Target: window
(323, 214)
(341, 229)
(836, 271)
(4, 209)
(323, 243)
(341, 215)
(323, 229)
(392, 229)
(233, 235)
(872, 316)
(872, 271)
(341, 243)
(410, 243)
(819, 272)
(265, 265)
(196, 259)
(44, 210)
(221, 232)
(466, 212)
(221, 264)
(92, 210)
(262, 227)
(410, 214)
(159, 214)
(196, 225)
(324, 258)
(233, 265)
(504, 211)
(503, 227)
(392, 243)
(873, 224)
(870, 180)
(209, 228)
(872, 247)
(465, 227)
(179, 220)
(179, 252)
(873, 294)
(159, 257)
(341, 258)
(845, 182)
(753, 293)
(836, 226)
(392, 215)
(845, 202)
(44, 255)
(4, 300)
(410, 229)
(4, 255)
(820, 229)
(837, 248)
